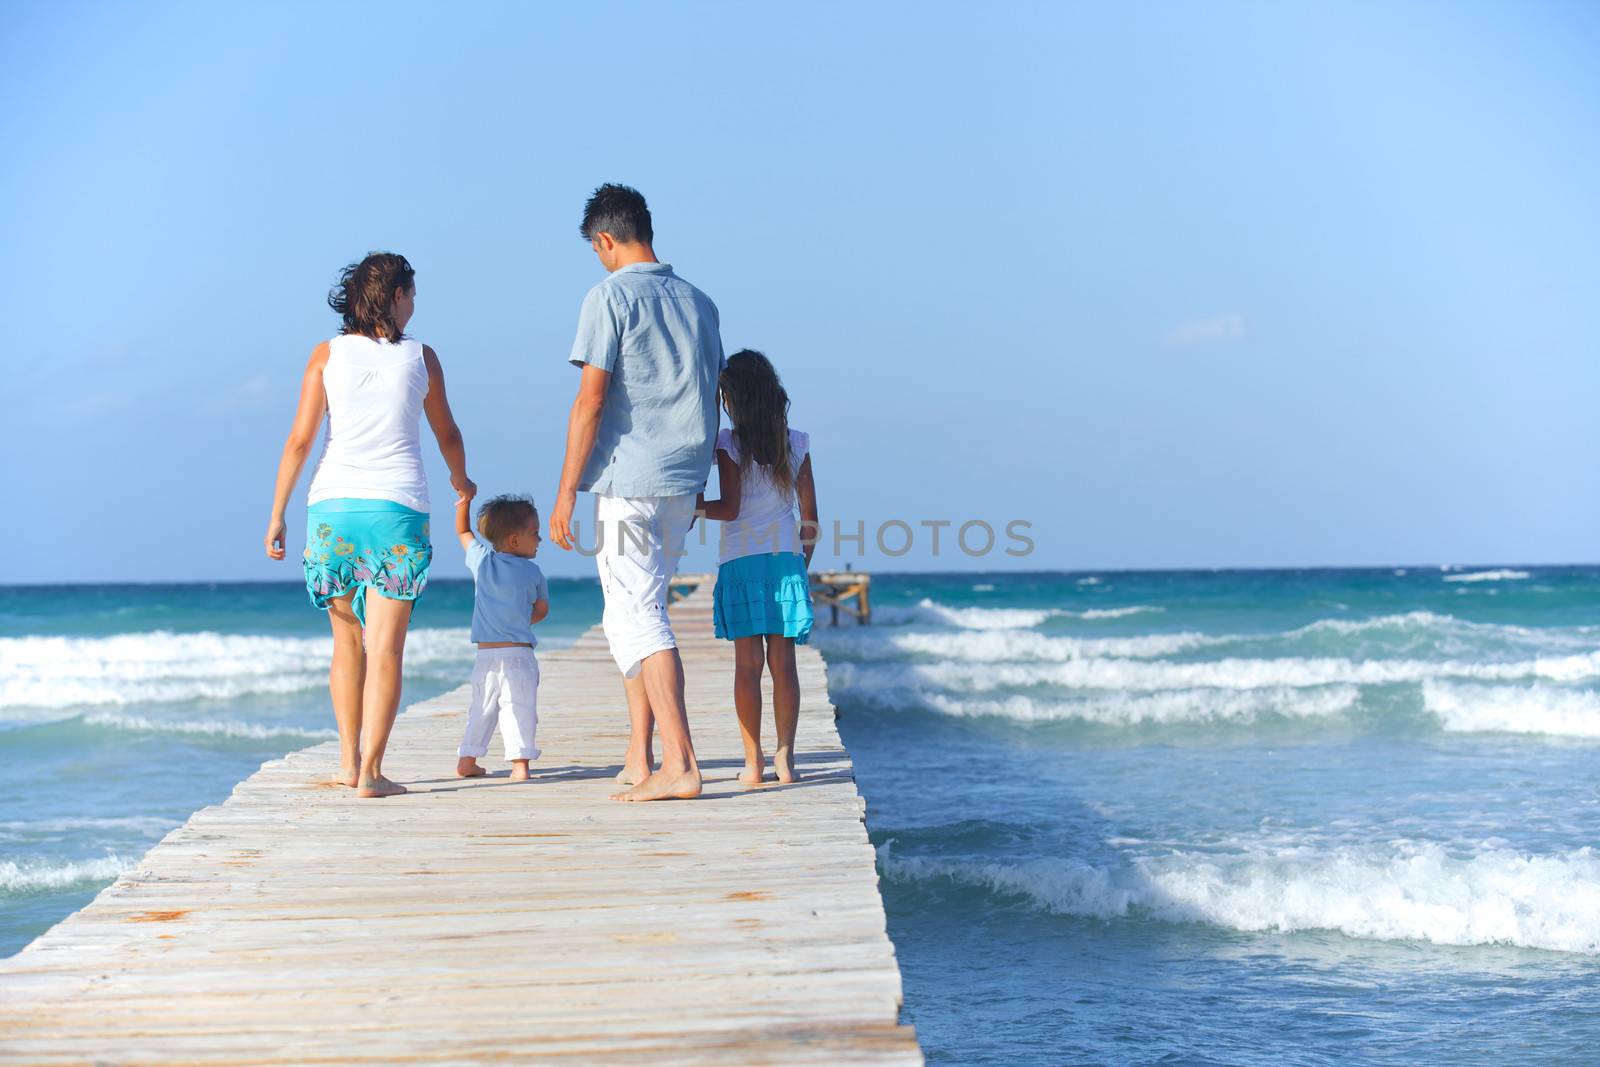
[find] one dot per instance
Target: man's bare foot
(754, 773)
(783, 762)
(684, 785)
(467, 767)
(519, 770)
(632, 774)
(379, 787)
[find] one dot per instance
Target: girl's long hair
(759, 408)
(364, 296)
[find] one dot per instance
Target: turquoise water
(1249, 817)
(124, 709)
(1241, 818)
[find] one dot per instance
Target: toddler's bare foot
(379, 787)
(754, 773)
(684, 785)
(467, 767)
(783, 761)
(519, 770)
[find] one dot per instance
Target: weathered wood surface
(485, 920)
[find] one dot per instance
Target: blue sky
(1180, 284)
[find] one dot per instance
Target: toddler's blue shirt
(505, 588)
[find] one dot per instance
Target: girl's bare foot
(754, 773)
(783, 761)
(519, 770)
(685, 785)
(467, 767)
(378, 787)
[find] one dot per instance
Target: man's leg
(640, 759)
(609, 513)
(678, 777)
(659, 665)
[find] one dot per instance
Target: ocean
(1170, 817)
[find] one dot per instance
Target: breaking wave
(1123, 709)
(1145, 676)
(1535, 709)
(209, 727)
(33, 875)
(160, 666)
(1489, 576)
(1397, 892)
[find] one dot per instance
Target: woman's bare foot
(467, 767)
(783, 762)
(519, 770)
(754, 773)
(684, 785)
(379, 787)
(347, 776)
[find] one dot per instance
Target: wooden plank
(485, 920)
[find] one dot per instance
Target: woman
(367, 523)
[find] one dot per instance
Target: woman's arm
(806, 487)
(726, 507)
(302, 435)
(437, 406)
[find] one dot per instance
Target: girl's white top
(766, 521)
(373, 452)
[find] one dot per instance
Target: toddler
(509, 595)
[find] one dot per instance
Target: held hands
(561, 518)
(276, 533)
(465, 487)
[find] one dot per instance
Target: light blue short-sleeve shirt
(660, 338)
(505, 588)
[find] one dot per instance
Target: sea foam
(1125, 709)
(35, 875)
(1489, 576)
(931, 612)
(210, 727)
(160, 666)
(1396, 892)
(1013, 646)
(1232, 673)
(1535, 709)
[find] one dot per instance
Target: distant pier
(486, 921)
(847, 591)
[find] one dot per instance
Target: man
(640, 437)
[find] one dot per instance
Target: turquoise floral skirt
(768, 593)
(365, 544)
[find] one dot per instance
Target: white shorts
(505, 690)
(641, 539)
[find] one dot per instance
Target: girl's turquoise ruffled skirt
(764, 594)
(362, 545)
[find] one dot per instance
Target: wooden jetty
(484, 921)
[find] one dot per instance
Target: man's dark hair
(620, 211)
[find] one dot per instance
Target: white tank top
(766, 521)
(373, 452)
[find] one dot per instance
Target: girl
(762, 601)
(367, 523)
